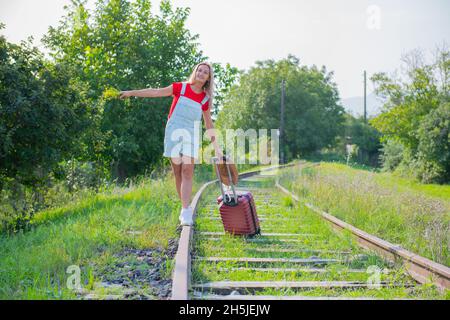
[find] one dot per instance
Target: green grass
(86, 234)
(391, 181)
(398, 210)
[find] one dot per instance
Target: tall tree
(123, 45)
(43, 112)
(313, 117)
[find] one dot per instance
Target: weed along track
(299, 254)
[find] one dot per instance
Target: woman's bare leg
(176, 168)
(187, 173)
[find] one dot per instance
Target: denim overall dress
(182, 133)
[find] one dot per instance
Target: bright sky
(345, 36)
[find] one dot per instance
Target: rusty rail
(421, 269)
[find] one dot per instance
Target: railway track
(298, 256)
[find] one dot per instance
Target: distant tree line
(313, 115)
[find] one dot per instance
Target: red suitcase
(238, 217)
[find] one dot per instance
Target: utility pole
(283, 82)
(365, 99)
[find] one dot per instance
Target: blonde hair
(208, 87)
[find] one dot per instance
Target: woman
(191, 99)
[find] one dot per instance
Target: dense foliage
(313, 117)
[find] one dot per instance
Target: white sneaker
(186, 217)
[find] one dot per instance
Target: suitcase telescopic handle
(215, 160)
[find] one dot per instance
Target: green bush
(434, 146)
(416, 113)
(79, 175)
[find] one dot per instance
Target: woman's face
(202, 73)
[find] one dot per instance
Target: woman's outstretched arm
(147, 93)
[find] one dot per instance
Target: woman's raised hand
(125, 94)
